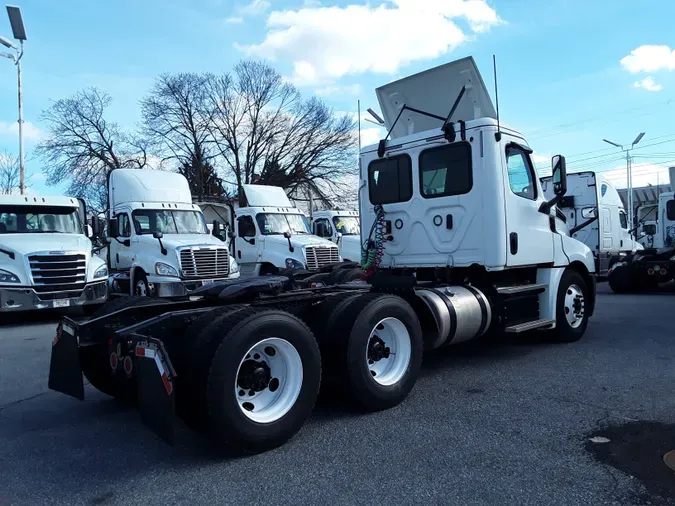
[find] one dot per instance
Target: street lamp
(19, 33)
(629, 167)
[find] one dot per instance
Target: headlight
(101, 272)
(8, 277)
(292, 263)
(165, 270)
(234, 266)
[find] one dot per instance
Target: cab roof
(33, 200)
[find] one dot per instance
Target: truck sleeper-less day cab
(592, 212)
(159, 242)
(342, 228)
(461, 243)
(645, 270)
(45, 257)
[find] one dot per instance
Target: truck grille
(205, 262)
(321, 256)
(52, 273)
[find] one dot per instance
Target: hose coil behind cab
(460, 313)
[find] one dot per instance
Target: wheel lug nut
(241, 393)
(251, 392)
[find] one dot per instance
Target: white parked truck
(592, 212)
(461, 243)
(45, 255)
(159, 242)
(645, 270)
(342, 228)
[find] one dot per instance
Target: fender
(576, 251)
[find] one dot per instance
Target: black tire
(141, 287)
(344, 342)
(237, 334)
(564, 331)
(268, 270)
(351, 275)
(622, 279)
(194, 362)
(95, 360)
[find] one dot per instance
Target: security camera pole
(19, 33)
(629, 167)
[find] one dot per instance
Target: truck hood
(24, 244)
(172, 241)
(299, 240)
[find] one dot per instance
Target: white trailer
(159, 242)
(461, 242)
(592, 212)
(46, 256)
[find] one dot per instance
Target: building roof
(644, 195)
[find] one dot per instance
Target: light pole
(629, 167)
(19, 33)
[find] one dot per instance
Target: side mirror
(113, 228)
(217, 228)
(588, 213)
(95, 226)
(559, 175)
(157, 235)
(231, 234)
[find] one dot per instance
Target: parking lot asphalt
(509, 423)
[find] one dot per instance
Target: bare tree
(176, 123)
(9, 174)
(265, 132)
(83, 148)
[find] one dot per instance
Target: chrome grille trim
(204, 262)
(60, 271)
(320, 256)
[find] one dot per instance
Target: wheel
(268, 270)
(264, 379)
(141, 288)
(193, 363)
(571, 315)
(621, 279)
(95, 361)
(351, 275)
(371, 349)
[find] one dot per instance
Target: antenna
(498, 135)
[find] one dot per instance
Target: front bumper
(26, 298)
(163, 288)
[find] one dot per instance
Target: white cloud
(237, 20)
(649, 59)
(370, 136)
(30, 131)
(648, 84)
(254, 8)
(354, 89)
(326, 43)
(643, 174)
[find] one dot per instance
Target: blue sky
(568, 69)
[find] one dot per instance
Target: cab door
(246, 245)
(529, 239)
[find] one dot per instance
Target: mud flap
(156, 390)
(65, 373)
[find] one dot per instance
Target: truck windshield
(149, 221)
(39, 220)
(347, 225)
(273, 224)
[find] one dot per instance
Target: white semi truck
(592, 212)
(270, 235)
(342, 228)
(460, 243)
(46, 257)
(159, 242)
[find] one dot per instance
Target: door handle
(513, 242)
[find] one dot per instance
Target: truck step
(522, 289)
(524, 327)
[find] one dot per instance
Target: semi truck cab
(46, 258)
(159, 242)
(342, 228)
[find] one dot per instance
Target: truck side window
(322, 228)
(246, 226)
(670, 210)
(521, 173)
(125, 225)
(390, 180)
(446, 170)
(623, 220)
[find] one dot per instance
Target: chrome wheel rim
(574, 306)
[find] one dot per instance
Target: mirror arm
(545, 207)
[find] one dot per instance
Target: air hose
(372, 250)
